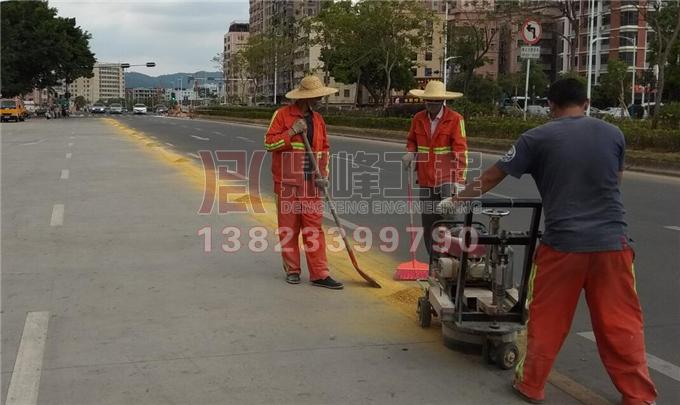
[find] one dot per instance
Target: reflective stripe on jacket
(442, 157)
(288, 153)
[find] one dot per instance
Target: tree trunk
(663, 57)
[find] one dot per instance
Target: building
(237, 83)
(144, 95)
(107, 82)
(619, 32)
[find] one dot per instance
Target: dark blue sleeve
(519, 159)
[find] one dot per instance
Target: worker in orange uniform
(577, 164)
(436, 141)
(299, 201)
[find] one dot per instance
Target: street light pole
(591, 16)
(632, 89)
(446, 64)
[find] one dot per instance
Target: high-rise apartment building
(619, 32)
(237, 81)
(108, 81)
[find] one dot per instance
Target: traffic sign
(531, 32)
(530, 52)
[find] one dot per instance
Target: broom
(413, 269)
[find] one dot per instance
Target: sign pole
(526, 90)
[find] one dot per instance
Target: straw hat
(435, 90)
(310, 87)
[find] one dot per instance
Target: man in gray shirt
(577, 163)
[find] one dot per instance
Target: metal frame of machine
(493, 313)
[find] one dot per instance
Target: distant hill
(135, 79)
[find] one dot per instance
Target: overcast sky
(180, 36)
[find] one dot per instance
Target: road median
(646, 161)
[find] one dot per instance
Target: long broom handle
(331, 206)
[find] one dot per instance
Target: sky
(179, 35)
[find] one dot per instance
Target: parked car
(116, 108)
(538, 110)
(161, 109)
(616, 112)
(98, 109)
(139, 109)
(12, 109)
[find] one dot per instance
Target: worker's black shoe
(525, 397)
(293, 278)
(328, 282)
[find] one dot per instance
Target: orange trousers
(299, 210)
(608, 279)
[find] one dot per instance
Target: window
(629, 18)
(606, 19)
(626, 57)
(604, 58)
(428, 55)
(631, 37)
(428, 72)
(346, 93)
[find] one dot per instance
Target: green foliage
(371, 42)
(39, 49)
(613, 85)
(670, 114)
(80, 102)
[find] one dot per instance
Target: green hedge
(638, 133)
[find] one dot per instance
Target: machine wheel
(507, 356)
(424, 312)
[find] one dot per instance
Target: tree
(664, 17)
(616, 82)
(373, 43)
(80, 102)
(269, 54)
(40, 49)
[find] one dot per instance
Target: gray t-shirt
(575, 163)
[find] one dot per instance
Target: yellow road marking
(401, 295)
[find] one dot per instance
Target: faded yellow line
(401, 295)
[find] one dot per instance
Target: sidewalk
(140, 314)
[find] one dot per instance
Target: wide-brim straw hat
(310, 87)
(435, 90)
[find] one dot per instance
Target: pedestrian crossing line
(673, 227)
(68, 155)
(655, 363)
(64, 174)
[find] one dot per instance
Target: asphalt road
(651, 202)
(111, 294)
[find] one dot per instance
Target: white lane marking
(25, 382)
(57, 215)
(194, 155)
(655, 363)
(245, 139)
(673, 228)
(64, 174)
(33, 142)
(200, 138)
(169, 144)
(198, 129)
(68, 155)
(70, 144)
(218, 133)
